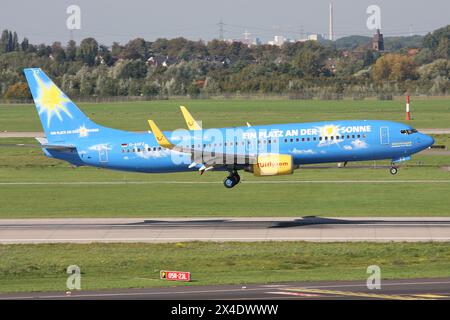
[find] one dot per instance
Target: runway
(154, 230)
(407, 289)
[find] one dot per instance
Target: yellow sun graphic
(51, 100)
(330, 130)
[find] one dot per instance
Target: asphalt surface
(155, 230)
(407, 289)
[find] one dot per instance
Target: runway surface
(408, 289)
(154, 230)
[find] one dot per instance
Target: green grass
(43, 267)
(158, 197)
(427, 113)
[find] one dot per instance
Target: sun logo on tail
(51, 100)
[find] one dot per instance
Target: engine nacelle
(272, 165)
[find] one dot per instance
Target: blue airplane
(268, 150)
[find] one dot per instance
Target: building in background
(378, 41)
(277, 41)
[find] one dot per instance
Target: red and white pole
(408, 113)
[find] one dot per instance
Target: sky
(44, 21)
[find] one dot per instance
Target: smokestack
(330, 27)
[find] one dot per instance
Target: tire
(393, 170)
(229, 182)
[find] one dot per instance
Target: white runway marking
(216, 182)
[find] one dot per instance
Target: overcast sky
(108, 20)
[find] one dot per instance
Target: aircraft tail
(61, 119)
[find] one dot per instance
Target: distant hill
(390, 43)
(397, 43)
(352, 42)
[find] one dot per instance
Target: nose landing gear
(393, 170)
(232, 180)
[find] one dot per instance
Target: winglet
(160, 137)
(190, 121)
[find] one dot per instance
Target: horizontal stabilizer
(44, 144)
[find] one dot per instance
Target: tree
(71, 50)
(18, 91)
(89, 51)
(6, 42)
(25, 45)
(443, 49)
(15, 42)
(192, 90)
(58, 52)
(136, 49)
(105, 54)
(132, 69)
(395, 67)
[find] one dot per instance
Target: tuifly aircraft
(266, 150)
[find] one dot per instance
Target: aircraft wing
(190, 121)
(61, 147)
(207, 159)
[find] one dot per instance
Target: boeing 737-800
(266, 150)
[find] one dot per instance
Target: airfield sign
(175, 275)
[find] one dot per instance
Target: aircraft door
(103, 153)
(384, 135)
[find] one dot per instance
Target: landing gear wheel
(393, 170)
(230, 182)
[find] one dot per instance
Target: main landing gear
(232, 180)
(393, 170)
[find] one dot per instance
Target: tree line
(180, 67)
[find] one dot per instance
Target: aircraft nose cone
(428, 141)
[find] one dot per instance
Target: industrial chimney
(330, 27)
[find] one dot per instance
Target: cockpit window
(408, 131)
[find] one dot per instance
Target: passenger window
(332, 137)
(337, 137)
(292, 140)
(358, 136)
(308, 139)
(320, 138)
(326, 138)
(353, 136)
(297, 140)
(303, 139)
